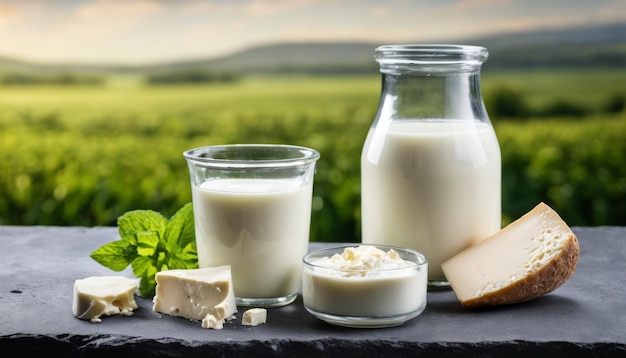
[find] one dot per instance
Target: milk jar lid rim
(252, 155)
(430, 54)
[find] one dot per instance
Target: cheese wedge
(103, 295)
(204, 294)
(529, 258)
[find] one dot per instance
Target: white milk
(433, 186)
(258, 226)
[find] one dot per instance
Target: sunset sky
(152, 31)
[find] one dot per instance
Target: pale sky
(153, 31)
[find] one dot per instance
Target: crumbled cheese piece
(103, 295)
(254, 317)
(204, 294)
(363, 259)
(210, 321)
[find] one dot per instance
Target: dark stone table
(587, 315)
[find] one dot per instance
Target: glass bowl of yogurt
(365, 285)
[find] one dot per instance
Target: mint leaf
(136, 221)
(151, 243)
(116, 255)
(147, 286)
(181, 240)
(147, 243)
(187, 257)
(145, 268)
(180, 230)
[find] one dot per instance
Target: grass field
(585, 86)
(85, 155)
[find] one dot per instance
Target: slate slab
(39, 264)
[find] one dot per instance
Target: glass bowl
(364, 285)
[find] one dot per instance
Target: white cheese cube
(204, 294)
(103, 295)
(254, 317)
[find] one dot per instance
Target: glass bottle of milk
(430, 165)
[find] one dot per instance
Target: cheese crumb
(363, 260)
(254, 317)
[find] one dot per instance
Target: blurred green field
(82, 156)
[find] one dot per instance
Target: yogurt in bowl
(365, 285)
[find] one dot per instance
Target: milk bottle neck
(431, 84)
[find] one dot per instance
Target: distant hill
(574, 47)
(580, 46)
(590, 46)
(291, 57)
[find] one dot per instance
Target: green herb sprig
(151, 243)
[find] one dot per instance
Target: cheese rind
(204, 294)
(254, 317)
(529, 258)
(103, 295)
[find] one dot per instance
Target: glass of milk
(252, 211)
(430, 165)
